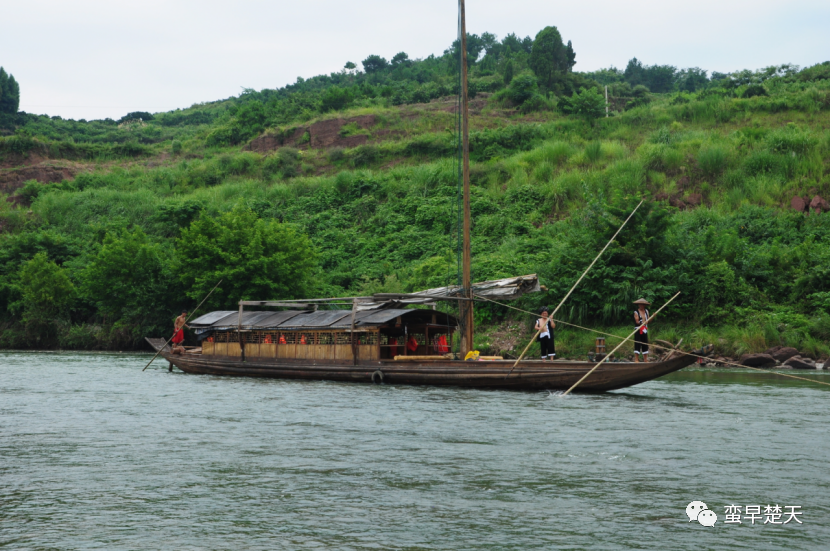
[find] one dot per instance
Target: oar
(186, 320)
(575, 284)
(618, 346)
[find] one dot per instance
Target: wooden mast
(466, 305)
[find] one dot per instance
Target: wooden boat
(368, 342)
(437, 371)
(379, 344)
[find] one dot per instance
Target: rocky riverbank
(778, 357)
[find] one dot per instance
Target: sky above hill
(99, 58)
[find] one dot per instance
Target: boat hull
(528, 375)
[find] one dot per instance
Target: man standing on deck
(545, 327)
(178, 329)
(641, 318)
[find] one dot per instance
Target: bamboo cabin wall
(326, 345)
(304, 345)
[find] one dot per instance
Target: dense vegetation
(9, 93)
(162, 206)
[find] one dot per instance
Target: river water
(95, 454)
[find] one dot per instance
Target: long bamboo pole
(618, 346)
(577, 283)
(186, 320)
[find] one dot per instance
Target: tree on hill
(588, 104)
(335, 98)
(9, 93)
(571, 55)
(517, 44)
(47, 295)
(658, 78)
(256, 258)
(522, 88)
(143, 115)
(634, 72)
(491, 44)
(549, 57)
(610, 75)
(475, 45)
(374, 63)
(508, 72)
(691, 79)
(401, 59)
(129, 280)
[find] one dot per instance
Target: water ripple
(95, 454)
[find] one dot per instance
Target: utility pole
(606, 101)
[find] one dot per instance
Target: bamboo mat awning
(317, 320)
(231, 320)
(211, 318)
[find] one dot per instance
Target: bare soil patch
(44, 172)
(319, 135)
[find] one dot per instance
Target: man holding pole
(178, 330)
(545, 327)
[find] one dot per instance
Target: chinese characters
(772, 514)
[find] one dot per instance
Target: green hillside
(346, 184)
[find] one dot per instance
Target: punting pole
(577, 283)
(186, 320)
(622, 342)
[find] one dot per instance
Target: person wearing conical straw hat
(641, 316)
(545, 326)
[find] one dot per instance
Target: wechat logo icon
(698, 511)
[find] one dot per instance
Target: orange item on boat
(412, 344)
(443, 348)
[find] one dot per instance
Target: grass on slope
(546, 189)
